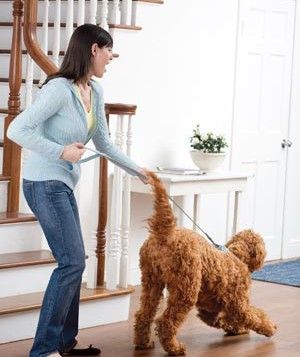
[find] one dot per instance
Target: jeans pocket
(57, 187)
(28, 190)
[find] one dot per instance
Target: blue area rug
(285, 272)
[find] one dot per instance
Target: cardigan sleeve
(104, 144)
(24, 129)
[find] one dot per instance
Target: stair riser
(1, 167)
(6, 11)
(4, 67)
(3, 188)
(2, 117)
(24, 280)
(6, 36)
(92, 313)
(4, 92)
(20, 237)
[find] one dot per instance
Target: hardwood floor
(281, 302)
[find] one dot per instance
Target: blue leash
(220, 247)
(98, 153)
(92, 157)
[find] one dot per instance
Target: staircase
(25, 264)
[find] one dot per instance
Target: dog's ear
(249, 247)
(257, 258)
(240, 250)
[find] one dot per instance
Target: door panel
(261, 111)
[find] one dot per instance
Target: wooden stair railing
(110, 109)
(30, 38)
(12, 152)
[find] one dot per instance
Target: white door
(261, 112)
(291, 231)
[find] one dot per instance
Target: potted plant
(208, 153)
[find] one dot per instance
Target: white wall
(179, 70)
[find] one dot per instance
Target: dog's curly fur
(195, 273)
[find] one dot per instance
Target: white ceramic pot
(207, 161)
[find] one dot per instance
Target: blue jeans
(54, 205)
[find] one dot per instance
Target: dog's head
(249, 247)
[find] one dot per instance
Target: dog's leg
(181, 299)
(209, 317)
(217, 319)
(260, 322)
(237, 329)
(152, 289)
(251, 318)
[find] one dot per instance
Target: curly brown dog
(195, 273)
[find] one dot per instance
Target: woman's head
(89, 50)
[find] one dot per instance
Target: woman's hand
(73, 152)
(144, 176)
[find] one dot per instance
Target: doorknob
(286, 143)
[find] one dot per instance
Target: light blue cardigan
(55, 119)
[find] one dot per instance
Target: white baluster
(104, 14)
(126, 6)
(56, 41)
(93, 11)
(29, 81)
(133, 13)
(125, 216)
(114, 16)
(80, 12)
(113, 261)
(70, 21)
(92, 262)
(45, 37)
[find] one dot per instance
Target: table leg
(179, 200)
(237, 206)
(196, 213)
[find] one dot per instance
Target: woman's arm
(24, 130)
(104, 144)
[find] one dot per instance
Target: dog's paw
(236, 333)
(147, 346)
(270, 330)
(177, 350)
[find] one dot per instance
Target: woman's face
(100, 58)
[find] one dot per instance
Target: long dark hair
(77, 60)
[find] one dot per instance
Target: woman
(67, 113)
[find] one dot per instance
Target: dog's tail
(163, 222)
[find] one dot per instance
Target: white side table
(181, 185)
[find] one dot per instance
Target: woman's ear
(94, 49)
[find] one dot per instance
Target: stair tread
(110, 108)
(63, 24)
(124, 27)
(6, 80)
(150, 1)
(16, 217)
(50, 53)
(26, 302)
(4, 178)
(35, 257)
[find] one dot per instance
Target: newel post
(12, 152)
